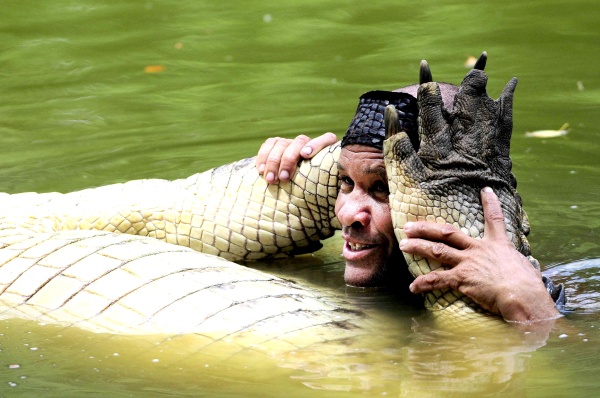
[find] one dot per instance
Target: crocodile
(140, 257)
(438, 176)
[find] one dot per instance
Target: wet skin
(371, 250)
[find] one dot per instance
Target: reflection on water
(79, 108)
(405, 360)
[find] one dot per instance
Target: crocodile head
(459, 151)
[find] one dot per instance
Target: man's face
(362, 206)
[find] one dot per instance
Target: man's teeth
(357, 246)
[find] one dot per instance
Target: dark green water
(78, 109)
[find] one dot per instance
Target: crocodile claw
(480, 64)
(425, 73)
(391, 121)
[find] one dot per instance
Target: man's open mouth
(358, 246)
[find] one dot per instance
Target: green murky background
(78, 108)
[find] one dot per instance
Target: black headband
(367, 127)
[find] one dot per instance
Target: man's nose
(355, 212)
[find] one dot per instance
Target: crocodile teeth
(358, 246)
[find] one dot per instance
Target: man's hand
(490, 270)
(278, 157)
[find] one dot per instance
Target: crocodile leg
(460, 152)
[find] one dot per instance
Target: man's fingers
(435, 280)
(445, 233)
(314, 146)
(290, 157)
(437, 251)
(278, 158)
(263, 153)
(495, 227)
(272, 160)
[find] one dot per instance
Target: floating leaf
(564, 129)
(154, 69)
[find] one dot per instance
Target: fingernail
(403, 243)
(408, 225)
(270, 177)
(284, 175)
(261, 168)
(411, 288)
(487, 189)
(307, 150)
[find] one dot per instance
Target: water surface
(98, 92)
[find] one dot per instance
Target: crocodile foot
(460, 151)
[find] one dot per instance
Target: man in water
(490, 270)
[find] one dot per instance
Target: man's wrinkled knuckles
(274, 158)
(270, 142)
(266, 147)
(495, 216)
(427, 282)
(448, 230)
(302, 139)
(424, 229)
(290, 158)
(441, 252)
(437, 280)
(453, 281)
(418, 229)
(420, 247)
(273, 144)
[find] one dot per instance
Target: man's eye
(346, 183)
(381, 186)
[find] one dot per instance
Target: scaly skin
(118, 283)
(71, 258)
(460, 152)
(229, 211)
